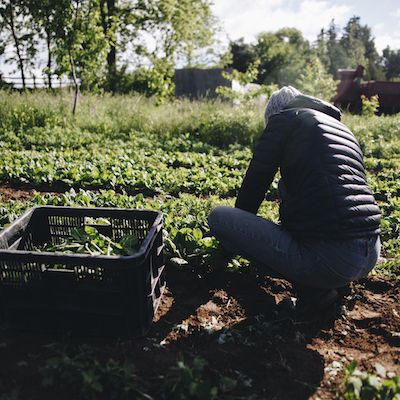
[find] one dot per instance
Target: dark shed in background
(196, 83)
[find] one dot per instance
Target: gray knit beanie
(279, 100)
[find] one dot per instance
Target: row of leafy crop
(185, 220)
(185, 217)
(139, 166)
(125, 169)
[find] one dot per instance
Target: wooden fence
(35, 82)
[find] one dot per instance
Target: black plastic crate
(79, 293)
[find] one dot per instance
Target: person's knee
(216, 218)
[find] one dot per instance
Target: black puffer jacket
(323, 189)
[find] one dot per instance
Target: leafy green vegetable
(88, 240)
(369, 386)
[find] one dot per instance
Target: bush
(18, 114)
(369, 106)
(316, 81)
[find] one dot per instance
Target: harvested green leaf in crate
(88, 240)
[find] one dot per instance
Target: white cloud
(396, 13)
(247, 18)
(382, 41)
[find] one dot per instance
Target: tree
(243, 55)
(283, 55)
(159, 32)
(354, 47)
(321, 49)
(17, 25)
(81, 47)
(108, 22)
(352, 42)
(44, 14)
(316, 81)
(360, 47)
(177, 28)
(330, 51)
(390, 61)
(119, 24)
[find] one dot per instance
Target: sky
(247, 18)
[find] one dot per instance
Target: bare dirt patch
(10, 193)
(231, 320)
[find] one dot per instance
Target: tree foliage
(314, 80)
(286, 57)
(80, 44)
(17, 28)
(45, 23)
(123, 45)
(283, 62)
(359, 44)
(281, 54)
(180, 26)
(354, 47)
(84, 37)
(176, 28)
(391, 63)
(243, 55)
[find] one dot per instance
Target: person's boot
(311, 302)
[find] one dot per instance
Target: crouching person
(328, 234)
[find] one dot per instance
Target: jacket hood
(304, 101)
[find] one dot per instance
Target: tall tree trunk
(49, 55)
(112, 54)
(72, 64)
(103, 14)
(17, 45)
(49, 64)
(75, 80)
(107, 19)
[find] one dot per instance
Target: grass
(215, 121)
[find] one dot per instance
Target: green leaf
(130, 244)
(197, 234)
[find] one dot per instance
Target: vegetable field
(216, 334)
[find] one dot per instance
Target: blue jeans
(319, 263)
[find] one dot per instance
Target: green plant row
(112, 378)
(185, 220)
(123, 166)
(185, 217)
(126, 169)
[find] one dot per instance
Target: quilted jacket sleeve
(263, 166)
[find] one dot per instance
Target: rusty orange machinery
(351, 87)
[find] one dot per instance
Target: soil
(10, 193)
(231, 319)
(28, 189)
